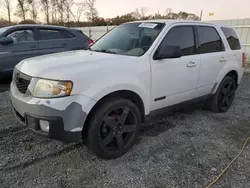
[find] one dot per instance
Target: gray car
(24, 41)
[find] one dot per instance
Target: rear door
(54, 40)
(24, 46)
(213, 57)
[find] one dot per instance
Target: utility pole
(201, 15)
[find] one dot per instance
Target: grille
(22, 81)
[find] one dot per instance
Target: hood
(59, 65)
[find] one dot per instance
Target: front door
(175, 80)
(24, 46)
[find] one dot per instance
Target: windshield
(2, 30)
(132, 39)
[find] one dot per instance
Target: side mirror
(6, 40)
(168, 52)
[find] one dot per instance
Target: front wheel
(113, 128)
(224, 97)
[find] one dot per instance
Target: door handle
(223, 59)
(64, 44)
(191, 64)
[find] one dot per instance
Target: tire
(113, 128)
(222, 100)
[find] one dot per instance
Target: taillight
(91, 42)
(243, 59)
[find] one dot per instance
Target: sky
(223, 9)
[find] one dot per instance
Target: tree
(140, 14)
(182, 15)
(136, 14)
(167, 11)
(60, 9)
(143, 12)
(192, 16)
(4, 23)
(27, 22)
(46, 9)
(33, 9)
(91, 11)
(7, 5)
(68, 5)
(54, 10)
(80, 7)
(172, 15)
(22, 9)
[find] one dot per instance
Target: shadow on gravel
(158, 124)
(155, 128)
(5, 84)
(7, 132)
(37, 160)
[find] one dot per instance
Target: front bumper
(56, 127)
(66, 115)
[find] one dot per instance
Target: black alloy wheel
(227, 94)
(222, 100)
(113, 128)
(118, 129)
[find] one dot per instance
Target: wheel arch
(229, 72)
(127, 94)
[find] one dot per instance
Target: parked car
(24, 41)
(103, 94)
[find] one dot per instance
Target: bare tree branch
(21, 9)
(143, 11)
(33, 9)
(46, 9)
(91, 11)
(7, 5)
(80, 8)
(167, 11)
(68, 5)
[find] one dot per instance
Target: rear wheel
(113, 128)
(224, 97)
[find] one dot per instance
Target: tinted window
(2, 30)
(232, 38)
(210, 40)
(67, 34)
(51, 34)
(182, 36)
(22, 35)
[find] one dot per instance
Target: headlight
(50, 88)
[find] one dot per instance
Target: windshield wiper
(103, 50)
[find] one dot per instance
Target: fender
(98, 90)
(224, 71)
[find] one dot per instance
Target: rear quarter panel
(234, 60)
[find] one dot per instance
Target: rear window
(80, 31)
(53, 34)
(66, 34)
(232, 38)
(210, 40)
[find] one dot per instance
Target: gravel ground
(185, 149)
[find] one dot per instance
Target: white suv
(103, 94)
